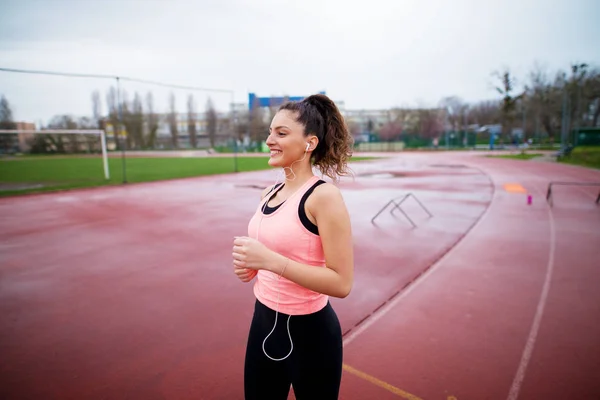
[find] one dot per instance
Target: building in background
(25, 138)
(20, 142)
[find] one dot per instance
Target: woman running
(299, 246)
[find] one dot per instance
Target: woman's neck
(298, 177)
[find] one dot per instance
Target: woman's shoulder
(326, 203)
(326, 192)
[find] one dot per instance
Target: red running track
(127, 292)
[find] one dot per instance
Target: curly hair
(320, 116)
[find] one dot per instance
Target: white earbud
(307, 146)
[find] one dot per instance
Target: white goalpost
(97, 132)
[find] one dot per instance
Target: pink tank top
(283, 232)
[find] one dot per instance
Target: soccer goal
(57, 141)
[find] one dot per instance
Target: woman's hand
(244, 274)
(251, 254)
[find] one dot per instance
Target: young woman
(299, 246)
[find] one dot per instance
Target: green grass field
(586, 156)
(520, 156)
(40, 174)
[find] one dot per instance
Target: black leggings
(314, 368)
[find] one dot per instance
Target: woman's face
(286, 139)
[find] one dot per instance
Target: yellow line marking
(380, 383)
(514, 188)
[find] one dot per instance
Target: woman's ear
(312, 143)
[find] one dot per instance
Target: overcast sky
(369, 54)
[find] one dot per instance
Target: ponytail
(321, 117)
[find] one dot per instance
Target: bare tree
(509, 100)
(126, 119)
(192, 119)
(402, 115)
(98, 119)
(257, 128)
(272, 107)
(211, 122)
(370, 126)
(57, 143)
(137, 121)
(353, 128)
(456, 110)
(97, 109)
(543, 101)
(485, 112)
(6, 114)
(91, 141)
(241, 128)
(390, 131)
(591, 92)
(151, 121)
(6, 122)
(6, 117)
(568, 102)
(430, 123)
(584, 96)
(133, 119)
(172, 119)
(113, 115)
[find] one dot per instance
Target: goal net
(56, 142)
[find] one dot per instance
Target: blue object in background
(254, 101)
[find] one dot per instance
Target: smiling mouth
(275, 153)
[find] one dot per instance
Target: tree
(92, 142)
(133, 119)
(584, 95)
(6, 122)
(172, 119)
(97, 108)
(151, 121)
(112, 102)
(430, 123)
(353, 128)
(258, 129)
(370, 126)
(192, 118)
(509, 100)
(591, 92)
(211, 122)
(390, 131)
(543, 101)
(137, 121)
(273, 106)
(568, 102)
(57, 143)
(456, 111)
(485, 112)
(98, 119)
(6, 115)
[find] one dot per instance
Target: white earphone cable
(278, 283)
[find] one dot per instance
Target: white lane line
(535, 327)
(392, 303)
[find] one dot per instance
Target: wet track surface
(128, 292)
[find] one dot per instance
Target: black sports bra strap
(266, 208)
(302, 211)
(273, 188)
